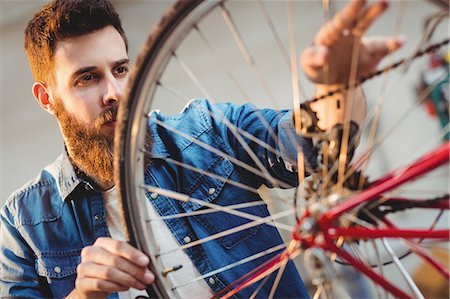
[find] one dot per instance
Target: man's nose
(113, 92)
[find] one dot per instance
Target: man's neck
(105, 186)
(98, 184)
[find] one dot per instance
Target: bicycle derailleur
(328, 146)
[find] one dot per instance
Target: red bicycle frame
(326, 225)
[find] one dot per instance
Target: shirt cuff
(289, 143)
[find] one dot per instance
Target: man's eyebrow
(121, 61)
(83, 70)
(93, 68)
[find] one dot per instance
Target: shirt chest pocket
(212, 187)
(59, 269)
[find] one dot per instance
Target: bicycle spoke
(418, 249)
(358, 253)
(318, 292)
(402, 270)
(258, 289)
(381, 95)
(421, 191)
(235, 264)
(435, 246)
(295, 89)
(369, 263)
(379, 267)
(245, 52)
(274, 32)
(193, 77)
(223, 64)
(177, 94)
(207, 211)
(278, 277)
(347, 118)
(326, 71)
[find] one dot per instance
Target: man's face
(91, 72)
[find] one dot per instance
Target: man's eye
(85, 80)
(122, 70)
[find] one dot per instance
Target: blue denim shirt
(46, 223)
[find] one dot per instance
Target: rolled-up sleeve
(265, 134)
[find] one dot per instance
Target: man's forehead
(105, 46)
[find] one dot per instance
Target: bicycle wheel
(173, 175)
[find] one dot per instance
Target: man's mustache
(108, 115)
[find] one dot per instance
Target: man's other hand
(341, 40)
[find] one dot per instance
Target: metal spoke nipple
(174, 268)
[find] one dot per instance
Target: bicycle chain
(309, 118)
(430, 49)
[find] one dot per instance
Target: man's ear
(42, 95)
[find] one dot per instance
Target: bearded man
(58, 236)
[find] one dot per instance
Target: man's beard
(89, 149)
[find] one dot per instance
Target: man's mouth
(108, 119)
(110, 123)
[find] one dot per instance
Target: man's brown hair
(62, 19)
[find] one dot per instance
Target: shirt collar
(65, 175)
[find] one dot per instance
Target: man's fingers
(99, 256)
(327, 35)
(346, 18)
(370, 14)
(382, 46)
(140, 273)
(110, 274)
(124, 250)
(91, 285)
(351, 18)
(313, 59)
(315, 56)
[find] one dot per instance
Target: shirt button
(57, 269)
(211, 280)
(154, 195)
(211, 191)
(97, 218)
(187, 239)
